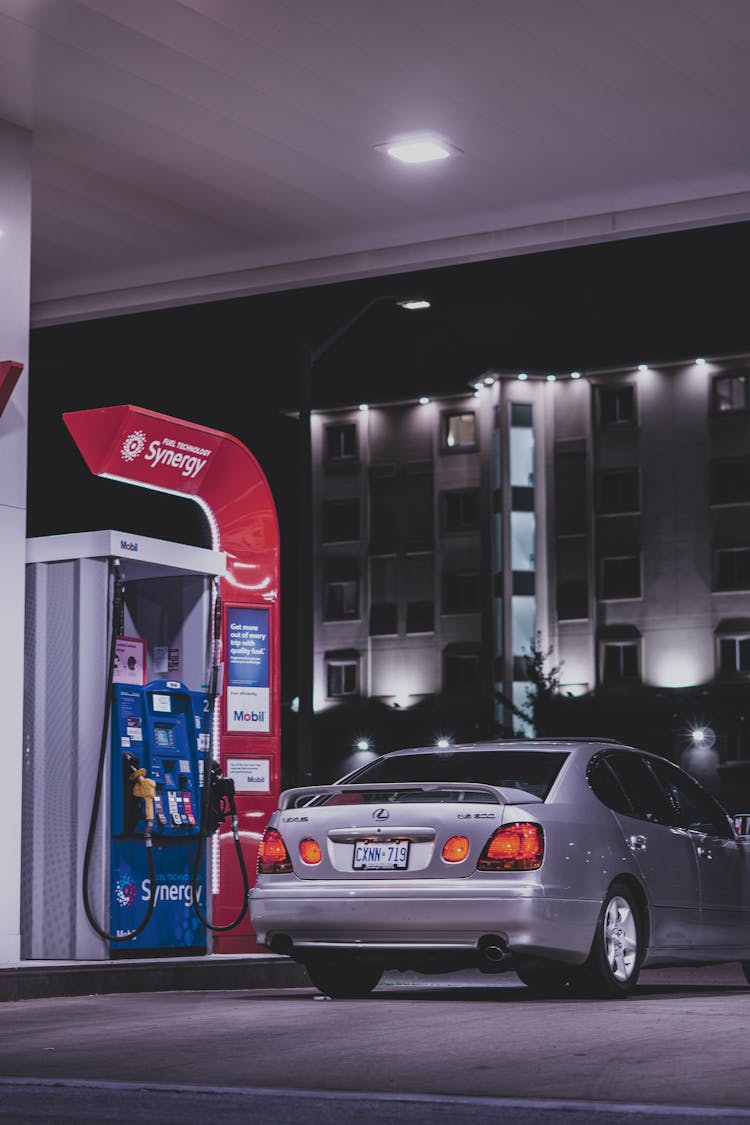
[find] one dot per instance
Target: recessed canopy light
(643, 367)
(489, 380)
(423, 400)
(575, 374)
(522, 376)
(700, 360)
(419, 150)
(414, 303)
(363, 406)
(552, 378)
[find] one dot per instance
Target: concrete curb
(34, 981)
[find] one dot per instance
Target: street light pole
(309, 356)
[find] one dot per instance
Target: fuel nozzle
(144, 787)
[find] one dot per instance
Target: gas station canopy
(184, 152)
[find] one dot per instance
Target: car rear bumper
(452, 917)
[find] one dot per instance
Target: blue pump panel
(163, 728)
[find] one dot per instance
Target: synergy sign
(182, 457)
(248, 696)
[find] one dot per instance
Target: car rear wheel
(551, 980)
(614, 963)
(343, 980)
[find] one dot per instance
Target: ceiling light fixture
(419, 150)
(414, 303)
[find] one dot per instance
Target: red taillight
(455, 849)
(309, 850)
(273, 858)
(514, 847)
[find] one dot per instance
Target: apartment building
(602, 517)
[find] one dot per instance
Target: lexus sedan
(573, 863)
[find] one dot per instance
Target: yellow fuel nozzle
(144, 787)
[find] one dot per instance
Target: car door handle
(637, 843)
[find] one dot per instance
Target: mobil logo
(129, 545)
(240, 715)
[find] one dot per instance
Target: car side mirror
(742, 824)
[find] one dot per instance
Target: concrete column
(15, 270)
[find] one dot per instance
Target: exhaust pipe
(493, 950)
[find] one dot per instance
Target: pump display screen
(163, 736)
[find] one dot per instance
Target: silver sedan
(573, 863)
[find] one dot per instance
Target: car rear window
(533, 771)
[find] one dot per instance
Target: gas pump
(122, 792)
(158, 750)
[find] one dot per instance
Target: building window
(730, 480)
(383, 597)
(420, 617)
(459, 431)
(729, 393)
(732, 568)
(620, 662)
(571, 494)
(341, 677)
(341, 443)
(460, 672)
(460, 510)
(619, 492)
(340, 590)
(340, 520)
(573, 600)
(617, 405)
(621, 577)
(734, 655)
(461, 591)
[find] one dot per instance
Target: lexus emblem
(381, 814)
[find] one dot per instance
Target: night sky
(232, 365)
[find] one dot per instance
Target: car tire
(344, 980)
(613, 965)
(746, 970)
(550, 981)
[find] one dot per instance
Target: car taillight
(273, 858)
(309, 850)
(455, 849)
(514, 847)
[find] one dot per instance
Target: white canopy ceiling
(186, 150)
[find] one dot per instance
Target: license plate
(383, 855)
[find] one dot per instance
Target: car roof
(567, 743)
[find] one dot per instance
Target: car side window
(608, 789)
(646, 796)
(696, 809)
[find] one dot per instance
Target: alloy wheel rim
(620, 938)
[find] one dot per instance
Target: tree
(542, 691)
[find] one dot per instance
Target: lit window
(730, 392)
(459, 431)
